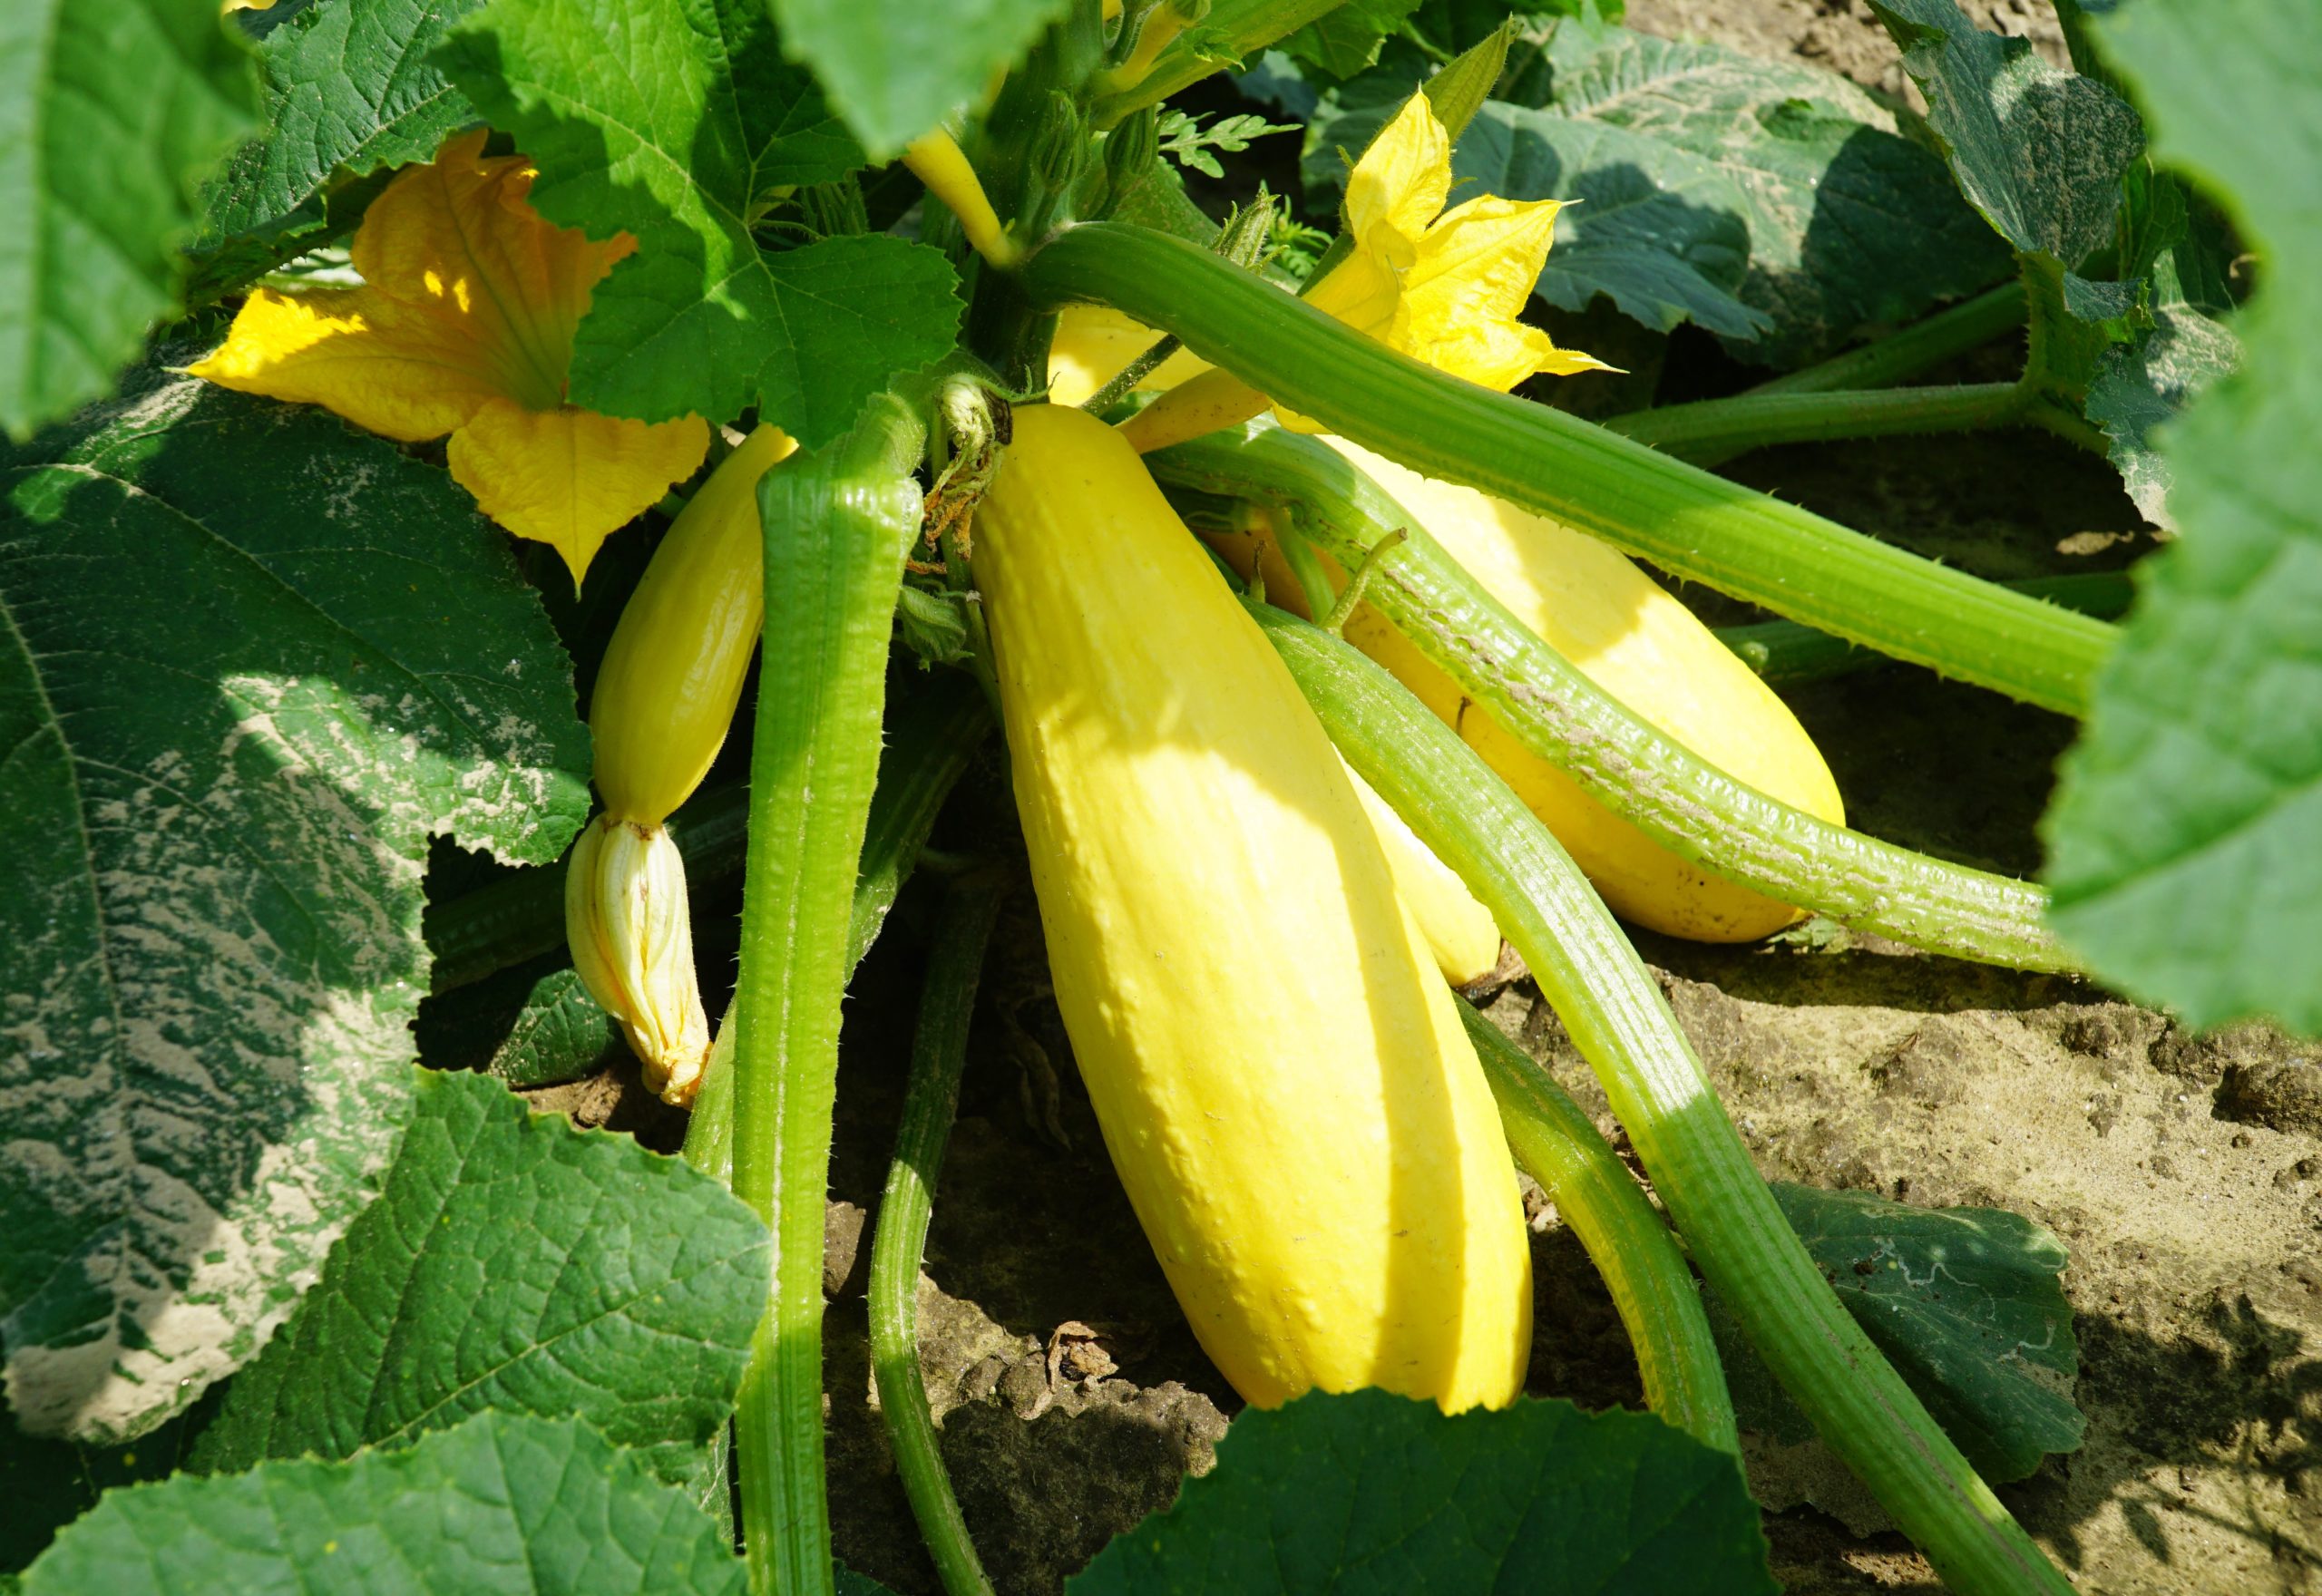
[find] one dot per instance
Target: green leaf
(1345, 40)
(676, 120)
(512, 1263)
(250, 662)
(1966, 1304)
(2141, 386)
(110, 114)
(895, 68)
(559, 1035)
(1370, 1492)
(2183, 841)
(350, 90)
(530, 1024)
(2037, 150)
(1663, 232)
(1851, 225)
(501, 1505)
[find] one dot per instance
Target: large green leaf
(1346, 39)
(110, 114)
(501, 1505)
(349, 89)
(2183, 840)
(1661, 230)
(677, 120)
(1370, 1492)
(1965, 1302)
(513, 1263)
(1850, 224)
(2038, 149)
(2142, 386)
(250, 662)
(896, 68)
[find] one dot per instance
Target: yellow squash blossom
(1444, 287)
(463, 327)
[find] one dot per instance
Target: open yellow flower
(1444, 287)
(463, 327)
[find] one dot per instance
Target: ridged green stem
(937, 1053)
(839, 520)
(1681, 518)
(1662, 787)
(1716, 430)
(1617, 1019)
(929, 745)
(1783, 652)
(1631, 1246)
(1902, 355)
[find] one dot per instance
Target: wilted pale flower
(626, 918)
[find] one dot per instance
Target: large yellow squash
(1594, 606)
(1281, 1076)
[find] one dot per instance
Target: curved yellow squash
(1631, 636)
(1279, 1075)
(673, 672)
(1639, 643)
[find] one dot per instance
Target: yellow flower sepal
(463, 327)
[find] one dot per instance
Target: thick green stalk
(929, 745)
(1716, 430)
(1900, 356)
(1657, 782)
(1616, 1017)
(938, 1052)
(1681, 518)
(1783, 652)
(839, 520)
(1684, 1380)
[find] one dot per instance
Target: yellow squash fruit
(1631, 636)
(1280, 1074)
(664, 700)
(673, 672)
(1093, 341)
(1635, 639)
(1460, 931)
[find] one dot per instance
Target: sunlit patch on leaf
(252, 661)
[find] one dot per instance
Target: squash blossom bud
(1129, 150)
(626, 917)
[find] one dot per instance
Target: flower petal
(1361, 290)
(1497, 354)
(1479, 262)
(1402, 180)
(570, 477)
(458, 239)
(381, 364)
